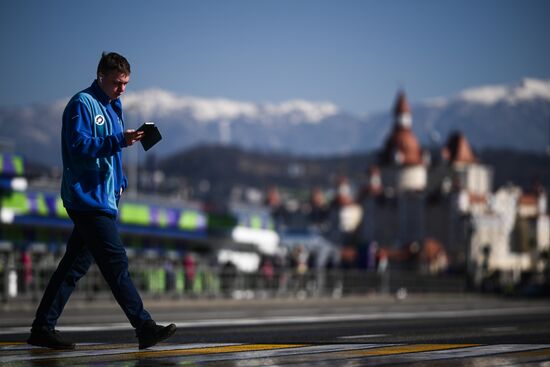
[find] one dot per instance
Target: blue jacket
(91, 145)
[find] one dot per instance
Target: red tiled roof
(477, 199)
(528, 199)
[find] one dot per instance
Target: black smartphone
(151, 135)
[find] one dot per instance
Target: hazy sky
(355, 54)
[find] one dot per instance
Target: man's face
(113, 84)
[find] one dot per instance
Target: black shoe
(151, 333)
(47, 338)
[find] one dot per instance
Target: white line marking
(366, 336)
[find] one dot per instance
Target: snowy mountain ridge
(527, 89)
(154, 103)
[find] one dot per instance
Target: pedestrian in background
(92, 140)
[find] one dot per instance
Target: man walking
(92, 140)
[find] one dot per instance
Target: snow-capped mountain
(157, 103)
(513, 116)
(508, 116)
(527, 90)
(294, 126)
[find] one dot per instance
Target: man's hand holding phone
(132, 136)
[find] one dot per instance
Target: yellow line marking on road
(105, 346)
(533, 353)
(415, 348)
(212, 350)
(177, 352)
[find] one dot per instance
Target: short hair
(113, 62)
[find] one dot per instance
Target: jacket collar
(100, 94)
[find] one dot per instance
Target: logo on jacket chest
(99, 120)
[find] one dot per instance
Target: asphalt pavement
(423, 330)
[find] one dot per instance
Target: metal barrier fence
(171, 282)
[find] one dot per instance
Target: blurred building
(413, 199)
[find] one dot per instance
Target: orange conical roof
(458, 150)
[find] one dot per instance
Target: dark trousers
(95, 237)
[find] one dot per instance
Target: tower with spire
(462, 173)
(393, 197)
(402, 159)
